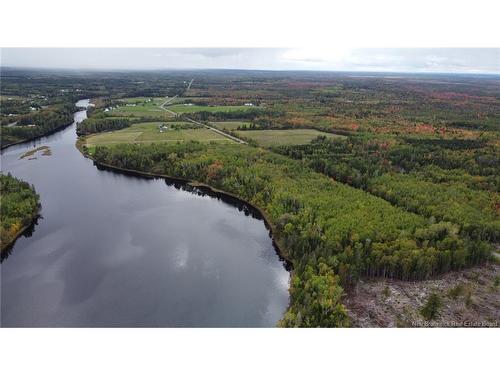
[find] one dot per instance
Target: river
(114, 250)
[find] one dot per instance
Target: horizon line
(123, 70)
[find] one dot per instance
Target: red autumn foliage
(424, 128)
(214, 170)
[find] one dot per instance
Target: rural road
(168, 101)
(218, 131)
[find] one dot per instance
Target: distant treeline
(42, 122)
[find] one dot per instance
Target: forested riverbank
(166, 250)
(333, 234)
(20, 205)
(408, 193)
(38, 124)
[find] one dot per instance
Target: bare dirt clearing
(469, 298)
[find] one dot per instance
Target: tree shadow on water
(28, 232)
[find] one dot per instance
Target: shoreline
(214, 192)
(210, 190)
(50, 132)
(7, 246)
(46, 134)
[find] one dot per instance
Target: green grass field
(140, 111)
(269, 138)
(229, 125)
(144, 100)
(149, 132)
(140, 107)
(182, 108)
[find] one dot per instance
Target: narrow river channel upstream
(114, 250)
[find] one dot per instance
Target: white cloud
(465, 60)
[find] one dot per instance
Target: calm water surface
(118, 250)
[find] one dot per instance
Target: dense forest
(101, 124)
(38, 123)
(409, 192)
(333, 233)
(247, 114)
(20, 205)
(411, 176)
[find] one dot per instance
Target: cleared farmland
(140, 107)
(149, 132)
(269, 138)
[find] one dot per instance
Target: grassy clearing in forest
(139, 111)
(140, 107)
(269, 138)
(149, 132)
(143, 100)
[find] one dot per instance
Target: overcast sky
(459, 60)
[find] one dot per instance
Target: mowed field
(269, 138)
(149, 132)
(144, 100)
(182, 108)
(229, 125)
(140, 107)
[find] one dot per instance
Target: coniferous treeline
(413, 177)
(333, 233)
(244, 114)
(102, 124)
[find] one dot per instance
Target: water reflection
(122, 250)
(27, 233)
